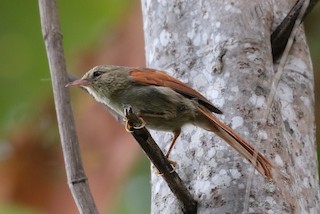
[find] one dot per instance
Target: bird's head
(94, 77)
(101, 80)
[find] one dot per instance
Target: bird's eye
(96, 73)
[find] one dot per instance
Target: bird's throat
(104, 100)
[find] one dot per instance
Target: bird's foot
(156, 171)
(132, 123)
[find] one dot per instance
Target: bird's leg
(176, 134)
(127, 126)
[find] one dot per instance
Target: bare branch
(280, 36)
(77, 179)
(156, 156)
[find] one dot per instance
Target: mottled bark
(223, 49)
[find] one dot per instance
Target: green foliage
(313, 32)
(14, 209)
(24, 72)
(135, 196)
(82, 22)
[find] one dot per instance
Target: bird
(163, 103)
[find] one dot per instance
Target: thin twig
(164, 167)
(77, 179)
(273, 91)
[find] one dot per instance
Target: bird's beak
(79, 83)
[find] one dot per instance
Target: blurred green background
(23, 60)
(26, 95)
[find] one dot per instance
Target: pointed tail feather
(213, 124)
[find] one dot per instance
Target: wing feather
(147, 76)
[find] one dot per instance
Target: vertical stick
(75, 173)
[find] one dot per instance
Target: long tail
(209, 122)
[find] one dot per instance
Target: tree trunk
(223, 50)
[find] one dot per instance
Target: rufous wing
(147, 76)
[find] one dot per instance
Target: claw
(135, 124)
(156, 171)
(127, 126)
(173, 164)
(143, 124)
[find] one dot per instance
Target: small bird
(163, 103)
